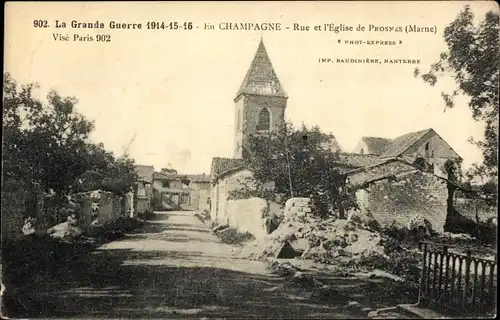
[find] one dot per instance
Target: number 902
(40, 23)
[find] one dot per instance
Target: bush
(147, 215)
(232, 236)
(405, 237)
(484, 232)
(402, 263)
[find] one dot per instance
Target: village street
(173, 267)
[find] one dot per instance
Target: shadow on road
(127, 283)
(171, 268)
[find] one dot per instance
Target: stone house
(181, 191)
(426, 148)
(247, 214)
(226, 175)
(397, 190)
(144, 191)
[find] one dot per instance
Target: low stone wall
(298, 207)
(15, 208)
(100, 205)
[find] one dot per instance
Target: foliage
(400, 236)
(47, 145)
(147, 215)
(402, 263)
(485, 232)
(299, 163)
(472, 58)
(232, 236)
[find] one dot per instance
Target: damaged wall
(408, 195)
(222, 189)
(245, 214)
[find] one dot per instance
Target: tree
(472, 59)
(298, 163)
(47, 145)
(107, 173)
(43, 143)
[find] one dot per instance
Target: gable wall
(417, 193)
(361, 145)
(437, 145)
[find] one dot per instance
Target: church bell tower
(259, 103)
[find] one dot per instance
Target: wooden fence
(459, 283)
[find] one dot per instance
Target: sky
(167, 96)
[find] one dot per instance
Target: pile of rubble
(303, 234)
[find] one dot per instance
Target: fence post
(446, 271)
(466, 278)
(422, 276)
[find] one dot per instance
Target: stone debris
(323, 239)
(66, 231)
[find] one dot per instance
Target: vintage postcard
(234, 160)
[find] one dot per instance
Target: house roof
(389, 173)
(376, 144)
(145, 172)
(356, 160)
(261, 79)
(223, 165)
(402, 143)
(191, 177)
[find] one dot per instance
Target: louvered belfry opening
(264, 122)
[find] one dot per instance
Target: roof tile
(261, 78)
(376, 144)
(402, 143)
(222, 165)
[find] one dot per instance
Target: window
(362, 151)
(427, 149)
(264, 120)
(165, 184)
(185, 199)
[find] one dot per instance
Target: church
(260, 105)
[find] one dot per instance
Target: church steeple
(261, 78)
(259, 104)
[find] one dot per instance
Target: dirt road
(173, 268)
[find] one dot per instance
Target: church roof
(261, 79)
(376, 144)
(403, 143)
